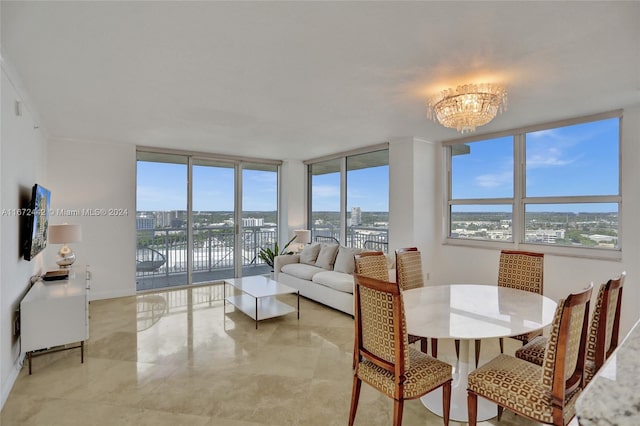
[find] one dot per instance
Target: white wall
(96, 182)
(22, 164)
(292, 199)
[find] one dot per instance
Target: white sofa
(322, 272)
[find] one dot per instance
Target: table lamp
(64, 234)
(303, 236)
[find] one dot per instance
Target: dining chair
(546, 393)
(409, 275)
(372, 264)
(386, 361)
(604, 329)
(522, 270)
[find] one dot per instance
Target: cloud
(494, 180)
(549, 157)
(548, 148)
(325, 191)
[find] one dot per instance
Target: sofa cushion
(327, 256)
(301, 270)
(336, 280)
(345, 261)
(309, 254)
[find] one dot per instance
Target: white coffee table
(259, 297)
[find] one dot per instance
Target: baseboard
(11, 380)
(95, 295)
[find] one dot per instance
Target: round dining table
(468, 312)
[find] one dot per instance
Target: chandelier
(468, 106)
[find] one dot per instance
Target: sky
(582, 159)
(162, 186)
(578, 160)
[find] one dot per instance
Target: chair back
(563, 368)
(409, 268)
(605, 322)
(381, 332)
(372, 264)
(522, 270)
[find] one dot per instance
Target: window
(202, 218)
(349, 199)
(325, 203)
(367, 210)
(553, 185)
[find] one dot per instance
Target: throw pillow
(345, 261)
(309, 254)
(327, 256)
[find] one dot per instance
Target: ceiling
(299, 80)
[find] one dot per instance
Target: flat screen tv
(37, 221)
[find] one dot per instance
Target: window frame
(520, 200)
(342, 157)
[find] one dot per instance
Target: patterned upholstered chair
(372, 264)
(603, 330)
(546, 393)
(522, 270)
(409, 275)
(386, 361)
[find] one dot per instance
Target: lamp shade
(303, 236)
(63, 234)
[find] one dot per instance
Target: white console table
(54, 314)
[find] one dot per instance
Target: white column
(292, 213)
(414, 172)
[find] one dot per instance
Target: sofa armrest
(282, 260)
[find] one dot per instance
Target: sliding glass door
(201, 220)
(259, 215)
(161, 220)
(213, 219)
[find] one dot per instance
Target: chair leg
(477, 352)
(501, 345)
(423, 345)
(500, 410)
(457, 343)
(355, 356)
(434, 348)
(472, 406)
(398, 405)
(446, 402)
(355, 396)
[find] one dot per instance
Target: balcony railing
(213, 249)
(163, 251)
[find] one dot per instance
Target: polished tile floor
(175, 358)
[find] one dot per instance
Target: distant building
(547, 236)
(356, 216)
(252, 221)
(145, 222)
